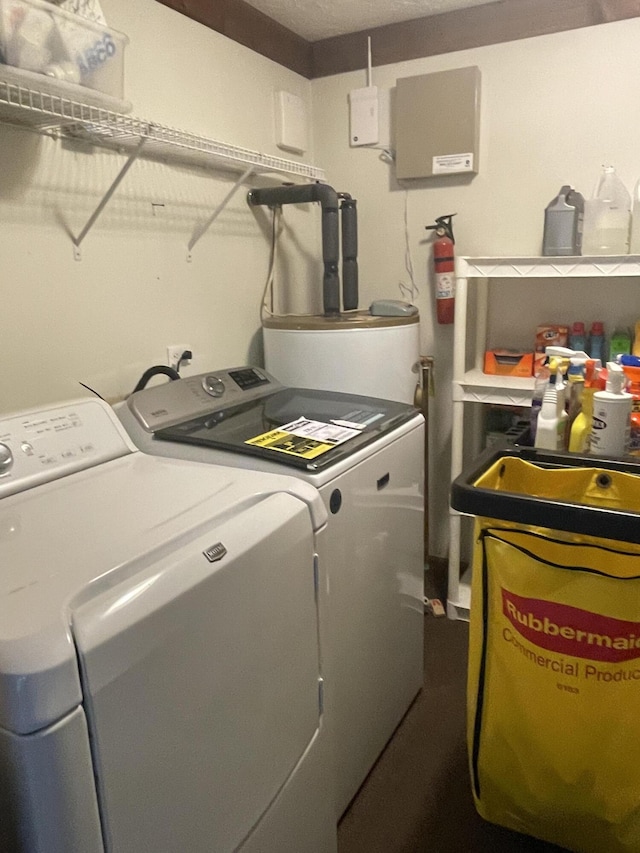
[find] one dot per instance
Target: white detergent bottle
(611, 424)
(607, 217)
(634, 238)
(552, 422)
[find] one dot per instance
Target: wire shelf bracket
(105, 199)
(56, 115)
(202, 229)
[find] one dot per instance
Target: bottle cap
(597, 327)
(615, 378)
(578, 329)
(630, 360)
(576, 368)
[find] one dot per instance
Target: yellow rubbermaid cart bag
(553, 711)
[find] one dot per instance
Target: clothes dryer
(159, 659)
(365, 458)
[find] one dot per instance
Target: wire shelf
(56, 115)
(550, 267)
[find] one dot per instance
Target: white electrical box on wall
(363, 116)
(291, 122)
(438, 123)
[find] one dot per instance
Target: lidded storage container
(43, 46)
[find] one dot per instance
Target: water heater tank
(356, 353)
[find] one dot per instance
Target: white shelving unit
(471, 385)
(60, 116)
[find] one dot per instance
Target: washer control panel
(171, 403)
(46, 444)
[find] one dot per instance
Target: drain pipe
(328, 199)
(423, 395)
(349, 222)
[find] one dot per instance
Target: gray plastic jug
(563, 218)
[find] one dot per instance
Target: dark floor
(417, 797)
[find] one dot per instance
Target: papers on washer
(304, 438)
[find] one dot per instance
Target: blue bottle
(596, 341)
(577, 338)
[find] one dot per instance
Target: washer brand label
(215, 552)
(571, 631)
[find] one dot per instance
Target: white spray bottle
(552, 420)
(611, 423)
(559, 356)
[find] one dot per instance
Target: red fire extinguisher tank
(444, 265)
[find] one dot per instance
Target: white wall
(105, 319)
(553, 109)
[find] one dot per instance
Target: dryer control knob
(212, 385)
(6, 459)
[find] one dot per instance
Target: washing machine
(160, 669)
(365, 458)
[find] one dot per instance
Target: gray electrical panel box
(438, 123)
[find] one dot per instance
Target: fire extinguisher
(444, 264)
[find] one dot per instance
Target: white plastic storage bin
(42, 39)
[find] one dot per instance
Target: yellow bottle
(635, 349)
(581, 427)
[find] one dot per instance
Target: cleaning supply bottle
(550, 428)
(635, 346)
(631, 367)
(552, 420)
(611, 424)
(542, 379)
(596, 341)
(562, 384)
(578, 337)
(563, 218)
(575, 378)
(580, 429)
(619, 344)
(634, 237)
(607, 217)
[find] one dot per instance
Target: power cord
(410, 292)
(267, 304)
(187, 355)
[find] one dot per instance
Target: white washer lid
(62, 542)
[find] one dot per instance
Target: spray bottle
(558, 360)
(580, 429)
(575, 379)
(631, 366)
(543, 377)
(552, 420)
(611, 423)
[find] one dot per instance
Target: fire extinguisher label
(445, 285)
(447, 164)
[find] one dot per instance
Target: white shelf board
(57, 115)
(478, 387)
(556, 267)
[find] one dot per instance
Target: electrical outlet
(173, 355)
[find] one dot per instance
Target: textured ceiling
(319, 19)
